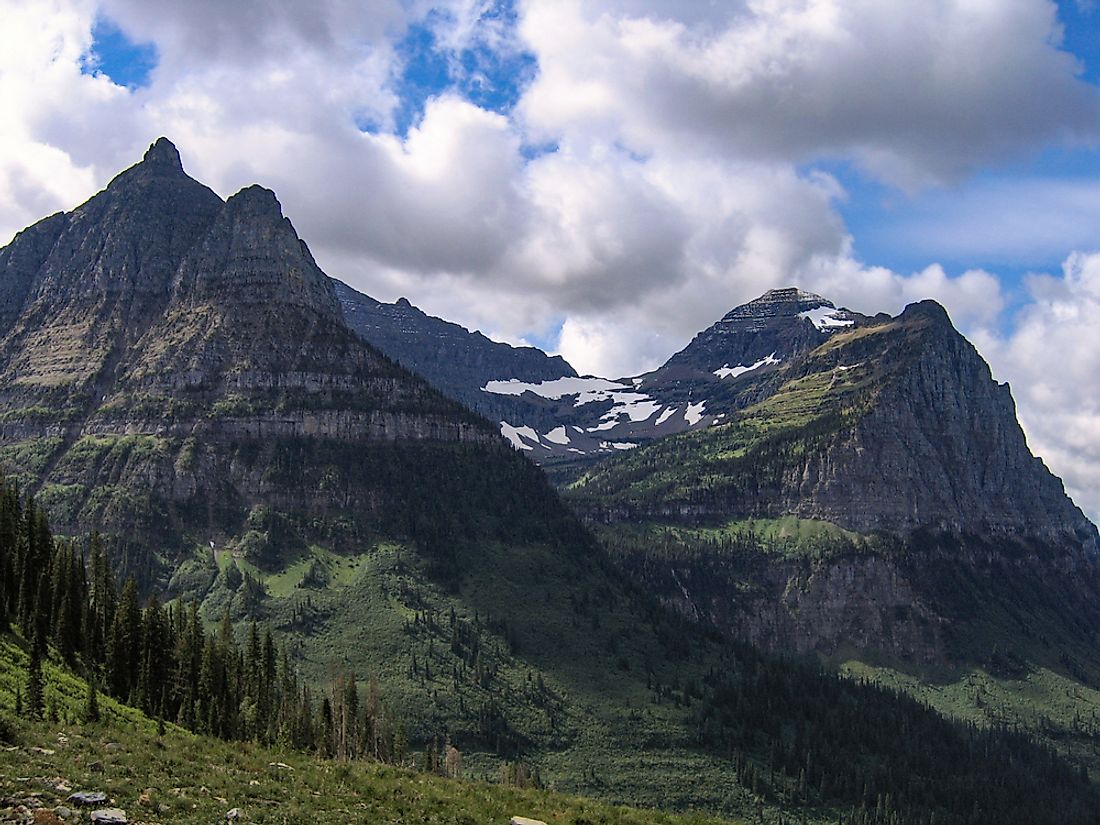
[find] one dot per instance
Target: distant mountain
(454, 360)
(862, 492)
(875, 424)
(725, 368)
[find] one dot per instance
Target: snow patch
(604, 425)
(555, 389)
(694, 413)
(637, 406)
(825, 318)
(558, 435)
(666, 415)
(515, 434)
(617, 445)
(732, 372)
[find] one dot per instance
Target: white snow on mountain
(558, 388)
(694, 413)
(517, 434)
(732, 372)
(826, 318)
(558, 435)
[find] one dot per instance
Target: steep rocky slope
(168, 359)
(876, 496)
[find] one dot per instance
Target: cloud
(914, 92)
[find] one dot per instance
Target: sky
(604, 179)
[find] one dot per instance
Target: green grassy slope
(181, 778)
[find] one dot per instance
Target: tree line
(61, 597)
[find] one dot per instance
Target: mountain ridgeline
(874, 424)
(166, 358)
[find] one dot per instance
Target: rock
(113, 747)
(95, 767)
(88, 798)
(522, 820)
(233, 815)
(110, 816)
(41, 751)
(63, 812)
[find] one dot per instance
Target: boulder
(110, 816)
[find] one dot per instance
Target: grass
(181, 778)
(570, 659)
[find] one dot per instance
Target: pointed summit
(163, 156)
(777, 326)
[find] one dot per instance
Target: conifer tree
(35, 685)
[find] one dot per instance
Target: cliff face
(889, 425)
(167, 360)
(890, 428)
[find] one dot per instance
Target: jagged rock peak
(928, 309)
(163, 156)
(255, 201)
(789, 294)
(777, 303)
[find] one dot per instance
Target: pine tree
(35, 686)
(91, 702)
(124, 644)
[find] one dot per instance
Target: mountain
(456, 361)
(177, 373)
(868, 498)
(166, 355)
(568, 423)
(884, 424)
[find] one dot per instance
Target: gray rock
(110, 816)
(87, 798)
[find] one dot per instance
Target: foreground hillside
(178, 777)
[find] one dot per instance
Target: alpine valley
(806, 571)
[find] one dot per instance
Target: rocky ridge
(162, 350)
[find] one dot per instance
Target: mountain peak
(929, 309)
(163, 156)
(255, 201)
(791, 294)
